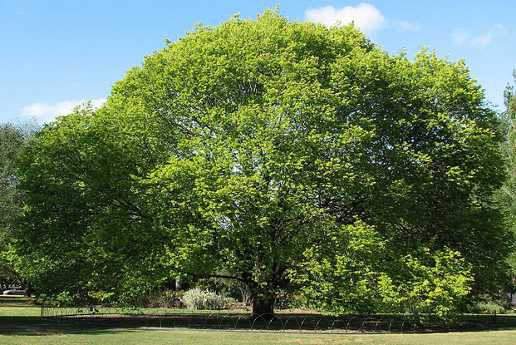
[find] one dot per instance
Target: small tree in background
(508, 191)
(12, 140)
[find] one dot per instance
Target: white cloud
(365, 16)
(404, 25)
(481, 40)
(46, 112)
(460, 37)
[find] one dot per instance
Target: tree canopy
(12, 140)
(244, 150)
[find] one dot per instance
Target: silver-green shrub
(197, 299)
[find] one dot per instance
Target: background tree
(509, 150)
(82, 231)
(240, 149)
(12, 140)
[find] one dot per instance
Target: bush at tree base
(197, 299)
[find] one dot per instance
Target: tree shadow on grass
(37, 326)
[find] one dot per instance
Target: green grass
(185, 337)
(14, 301)
(20, 311)
(18, 306)
(20, 325)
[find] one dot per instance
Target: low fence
(123, 317)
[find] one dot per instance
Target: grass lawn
(20, 311)
(17, 306)
(20, 325)
(185, 337)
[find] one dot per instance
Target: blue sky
(56, 53)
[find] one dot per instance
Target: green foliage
(63, 299)
(508, 191)
(490, 308)
(432, 283)
(101, 297)
(226, 287)
(82, 230)
(254, 147)
(197, 299)
(12, 140)
(357, 272)
(162, 299)
(341, 273)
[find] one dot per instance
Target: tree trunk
(28, 289)
(263, 305)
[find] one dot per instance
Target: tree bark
(263, 305)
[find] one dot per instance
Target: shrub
(164, 299)
(196, 299)
(63, 299)
(489, 307)
(227, 287)
(101, 297)
(290, 300)
(486, 304)
(434, 283)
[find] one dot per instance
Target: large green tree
(241, 149)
